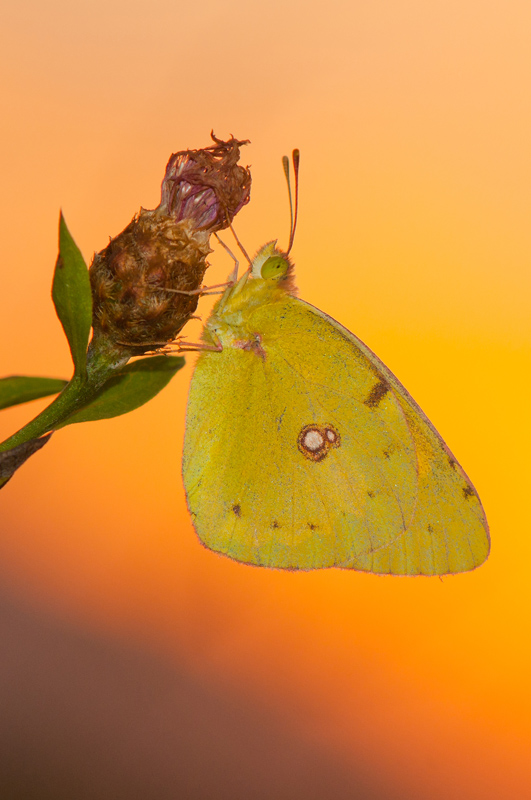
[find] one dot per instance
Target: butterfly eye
(274, 267)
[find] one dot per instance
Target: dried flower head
(207, 186)
(146, 283)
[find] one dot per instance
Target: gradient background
(134, 663)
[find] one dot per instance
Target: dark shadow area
(83, 717)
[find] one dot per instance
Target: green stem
(102, 361)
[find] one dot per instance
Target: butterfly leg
(234, 285)
(233, 276)
(175, 346)
(158, 348)
(202, 291)
(197, 346)
(182, 345)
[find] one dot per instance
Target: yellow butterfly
(302, 450)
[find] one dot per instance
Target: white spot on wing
(312, 440)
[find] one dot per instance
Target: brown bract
(137, 278)
(131, 278)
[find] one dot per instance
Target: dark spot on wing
(377, 393)
(237, 510)
(371, 494)
(430, 529)
(468, 491)
(391, 450)
(452, 462)
(275, 524)
(311, 526)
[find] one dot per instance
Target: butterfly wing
(306, 452)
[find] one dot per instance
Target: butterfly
(303, 451)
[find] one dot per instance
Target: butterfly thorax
(268, 282)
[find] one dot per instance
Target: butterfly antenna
(293, 216)
(285, 164)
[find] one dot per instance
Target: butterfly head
(272, 264)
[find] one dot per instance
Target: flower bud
(137, 278)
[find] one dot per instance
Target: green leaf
(21, 389)
(11, 460)
(130, 388)
(72, 297)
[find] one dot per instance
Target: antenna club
(296, 157)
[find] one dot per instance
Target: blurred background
(133, 662)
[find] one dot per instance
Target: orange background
(135, 662)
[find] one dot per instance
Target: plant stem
(103, 360)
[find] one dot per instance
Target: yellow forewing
(388, 498)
